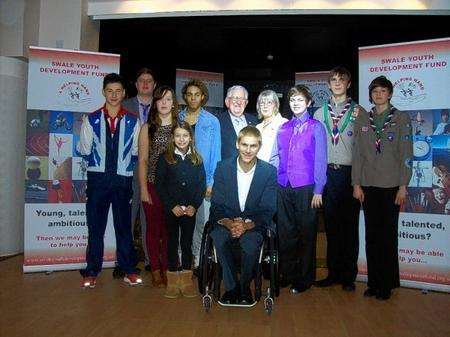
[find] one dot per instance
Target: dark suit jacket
(228, 135)
(131, 105)
(261, 202)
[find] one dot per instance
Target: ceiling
(110, 9)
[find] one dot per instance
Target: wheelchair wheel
(258, 282)
(268, 305)
(273, 265)
(207, 302)
(216, 281)
(206, 264)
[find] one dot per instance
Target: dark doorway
(239, 46)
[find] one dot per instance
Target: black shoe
(383, 295)
(370, 292)
(284, 282)
(348, 286)
(297, 289)
(118, 273)
(246, 296)
(230, 297)
(326, 282)
(148, 268)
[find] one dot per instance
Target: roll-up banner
(317, 82)
(213, 82)
(420, 73)
(63, 85)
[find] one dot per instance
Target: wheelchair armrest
(208, 227)
(270, 233)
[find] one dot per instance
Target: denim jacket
(207, 141)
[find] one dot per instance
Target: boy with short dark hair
(341, 211)
(108, 142)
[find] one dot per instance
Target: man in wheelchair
(243, 204)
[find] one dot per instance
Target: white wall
(46, 23)
(60, 24)
(13, 83)
(11, 27)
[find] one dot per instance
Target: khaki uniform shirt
(391, 167)
(341, 153)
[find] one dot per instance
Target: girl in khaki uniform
(381, 170)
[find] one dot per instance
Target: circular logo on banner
(408, 90)
(349, 133)
(320, 96)
(73, 94)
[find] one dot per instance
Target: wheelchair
(210, 275)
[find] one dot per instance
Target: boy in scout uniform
(381, 171)
(341, 210)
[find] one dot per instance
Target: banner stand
(63, 85)
(420, 74)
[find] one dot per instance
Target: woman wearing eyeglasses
(268, 107)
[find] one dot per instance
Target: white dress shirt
(244, 180)
(181, 154)
(238, 122)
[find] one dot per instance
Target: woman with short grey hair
(268, 107)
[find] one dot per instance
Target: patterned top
(159, 145)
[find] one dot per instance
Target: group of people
(249, 176)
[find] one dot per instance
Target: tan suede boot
(156, 279)
(173, 285)
(164, 277)
(186, 284)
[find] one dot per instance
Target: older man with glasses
(234, 120)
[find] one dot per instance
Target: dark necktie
(145, 108)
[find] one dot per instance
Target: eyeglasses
(268, 102)
(237, 99)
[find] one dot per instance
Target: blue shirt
(207, 141)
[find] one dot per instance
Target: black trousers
(185, 225)
(381, 218)
(341, 213)
(250, 243)
(297, 232)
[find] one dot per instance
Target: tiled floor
(54, 305)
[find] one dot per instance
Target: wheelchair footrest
(238, 305)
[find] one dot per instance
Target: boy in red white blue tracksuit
(109, 142)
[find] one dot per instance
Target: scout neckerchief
(379, 131)
(336, 117)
